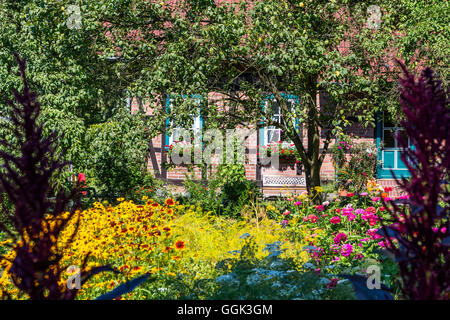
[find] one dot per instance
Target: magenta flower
(335, 220)
(373, 220)
(351, 217)
(373, 234)
(346, 250)
(359, 256)
(347, 211)
(375, 199)
(359, 211)
(363, 194)
(341, 237)
(319, 207)
(298, 203)
(382, 244)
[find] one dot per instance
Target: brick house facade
(288, 177)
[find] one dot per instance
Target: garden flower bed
(182, 246)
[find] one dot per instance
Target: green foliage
(226, 193)
(116, 155)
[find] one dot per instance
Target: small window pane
(389, 141)
(402, 133)
(273, 135)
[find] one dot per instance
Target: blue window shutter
(167, 122)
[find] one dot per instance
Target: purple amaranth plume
(37, 222)
(421, 229)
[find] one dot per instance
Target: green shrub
(116, 156)
(226, 193)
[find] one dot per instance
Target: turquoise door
(389, 154)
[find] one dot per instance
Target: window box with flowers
(284, 150)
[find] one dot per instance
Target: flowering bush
(343, 232)
(355, 163)
(134, 239)
(177, 244)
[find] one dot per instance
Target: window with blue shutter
(389, 152)
(272, 134)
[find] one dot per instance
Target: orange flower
(384, 195)
(179, 244)
(169, 202)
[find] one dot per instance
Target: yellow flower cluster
(165, 239)
(134, 239)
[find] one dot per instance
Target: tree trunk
(312, 176)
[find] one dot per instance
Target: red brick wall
(286, 168)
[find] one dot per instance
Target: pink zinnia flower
(347, 211)
(319, 207)
(373, 234)
(346, 250)
(351, 217)
(298, 203)
(286, 213)
(373, 221)
(335, 220)
(375, 199)
(341, 237)
(359, 211)
(382, 244)
(371, 210)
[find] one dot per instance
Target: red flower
(179, 244)
(169, 202)
(350, 194)
(338, 210)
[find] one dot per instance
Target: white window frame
(196, 125)
(273, 128)
(396, 149)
